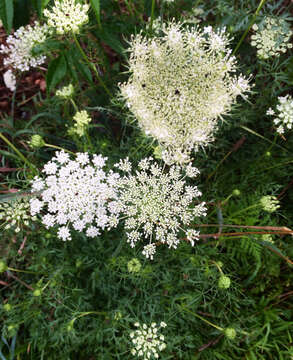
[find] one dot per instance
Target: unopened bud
(37, 141)
(224, 282)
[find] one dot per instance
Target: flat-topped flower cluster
(272, 37)
(76, 194)
(180, 84)
(147, 340)
(154, 204)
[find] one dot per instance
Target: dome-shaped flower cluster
(180, 84)
(76, 194)
(19, 47)
(158, 205)
(67, 16)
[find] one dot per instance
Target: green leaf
(6, 14)
(21, 13)
(56, 72)
(96, 6)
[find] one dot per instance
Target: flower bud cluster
(180, 84)
(271, 38)
(19, 47)
(76, 194)
(147, 341)
(158, 205)
(15, 214)
(269, 203)
(82, 121)
(66, 92)
(284, 116)
(67, 16)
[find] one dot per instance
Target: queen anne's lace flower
(147, 340)
(271, 38)
(15, 214)
(76, 194)
(284, 116)
(67, 16)
(157, 205)
(180, 84)
(19, 47)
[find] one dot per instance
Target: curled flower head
(19, 47)
(147, 340)
(180, 84)
(271, 38)
(67, 16)
(157, 205)
(76, 194)
(284, 114)
(269, 203)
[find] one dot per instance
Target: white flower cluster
(157, 204)
(147, 341)
(271, 38)
(66, 92)
(180, 84)
(19, 47)
(284, 116)
(9, 80)
(82, 121)
(67, 16)
(15, 214)
(76, 194)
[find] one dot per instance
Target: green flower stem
(202, 318)
(22, 157)
(91, 65)
(23, 271)
(217, 265)
(59, 148)
(152, 14)
(87, 313)
(74, 105)
(261, 4)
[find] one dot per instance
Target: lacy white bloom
(82, 121)
(76, 194)
(9, 80)
(66, 92)
(284, 116)
(269, 203)
(157, 205)
(19, 47)
(67, 16)
(271, 38)
(180, 84)
(147, 340)
(15, 214)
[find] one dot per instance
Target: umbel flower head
(76, 194)
(147, 340)
(15, 214)
(180, 83)
(284, 115)
(271, 37)
(67, 16)
(19, 47)
(157, 205)
(66, 92)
